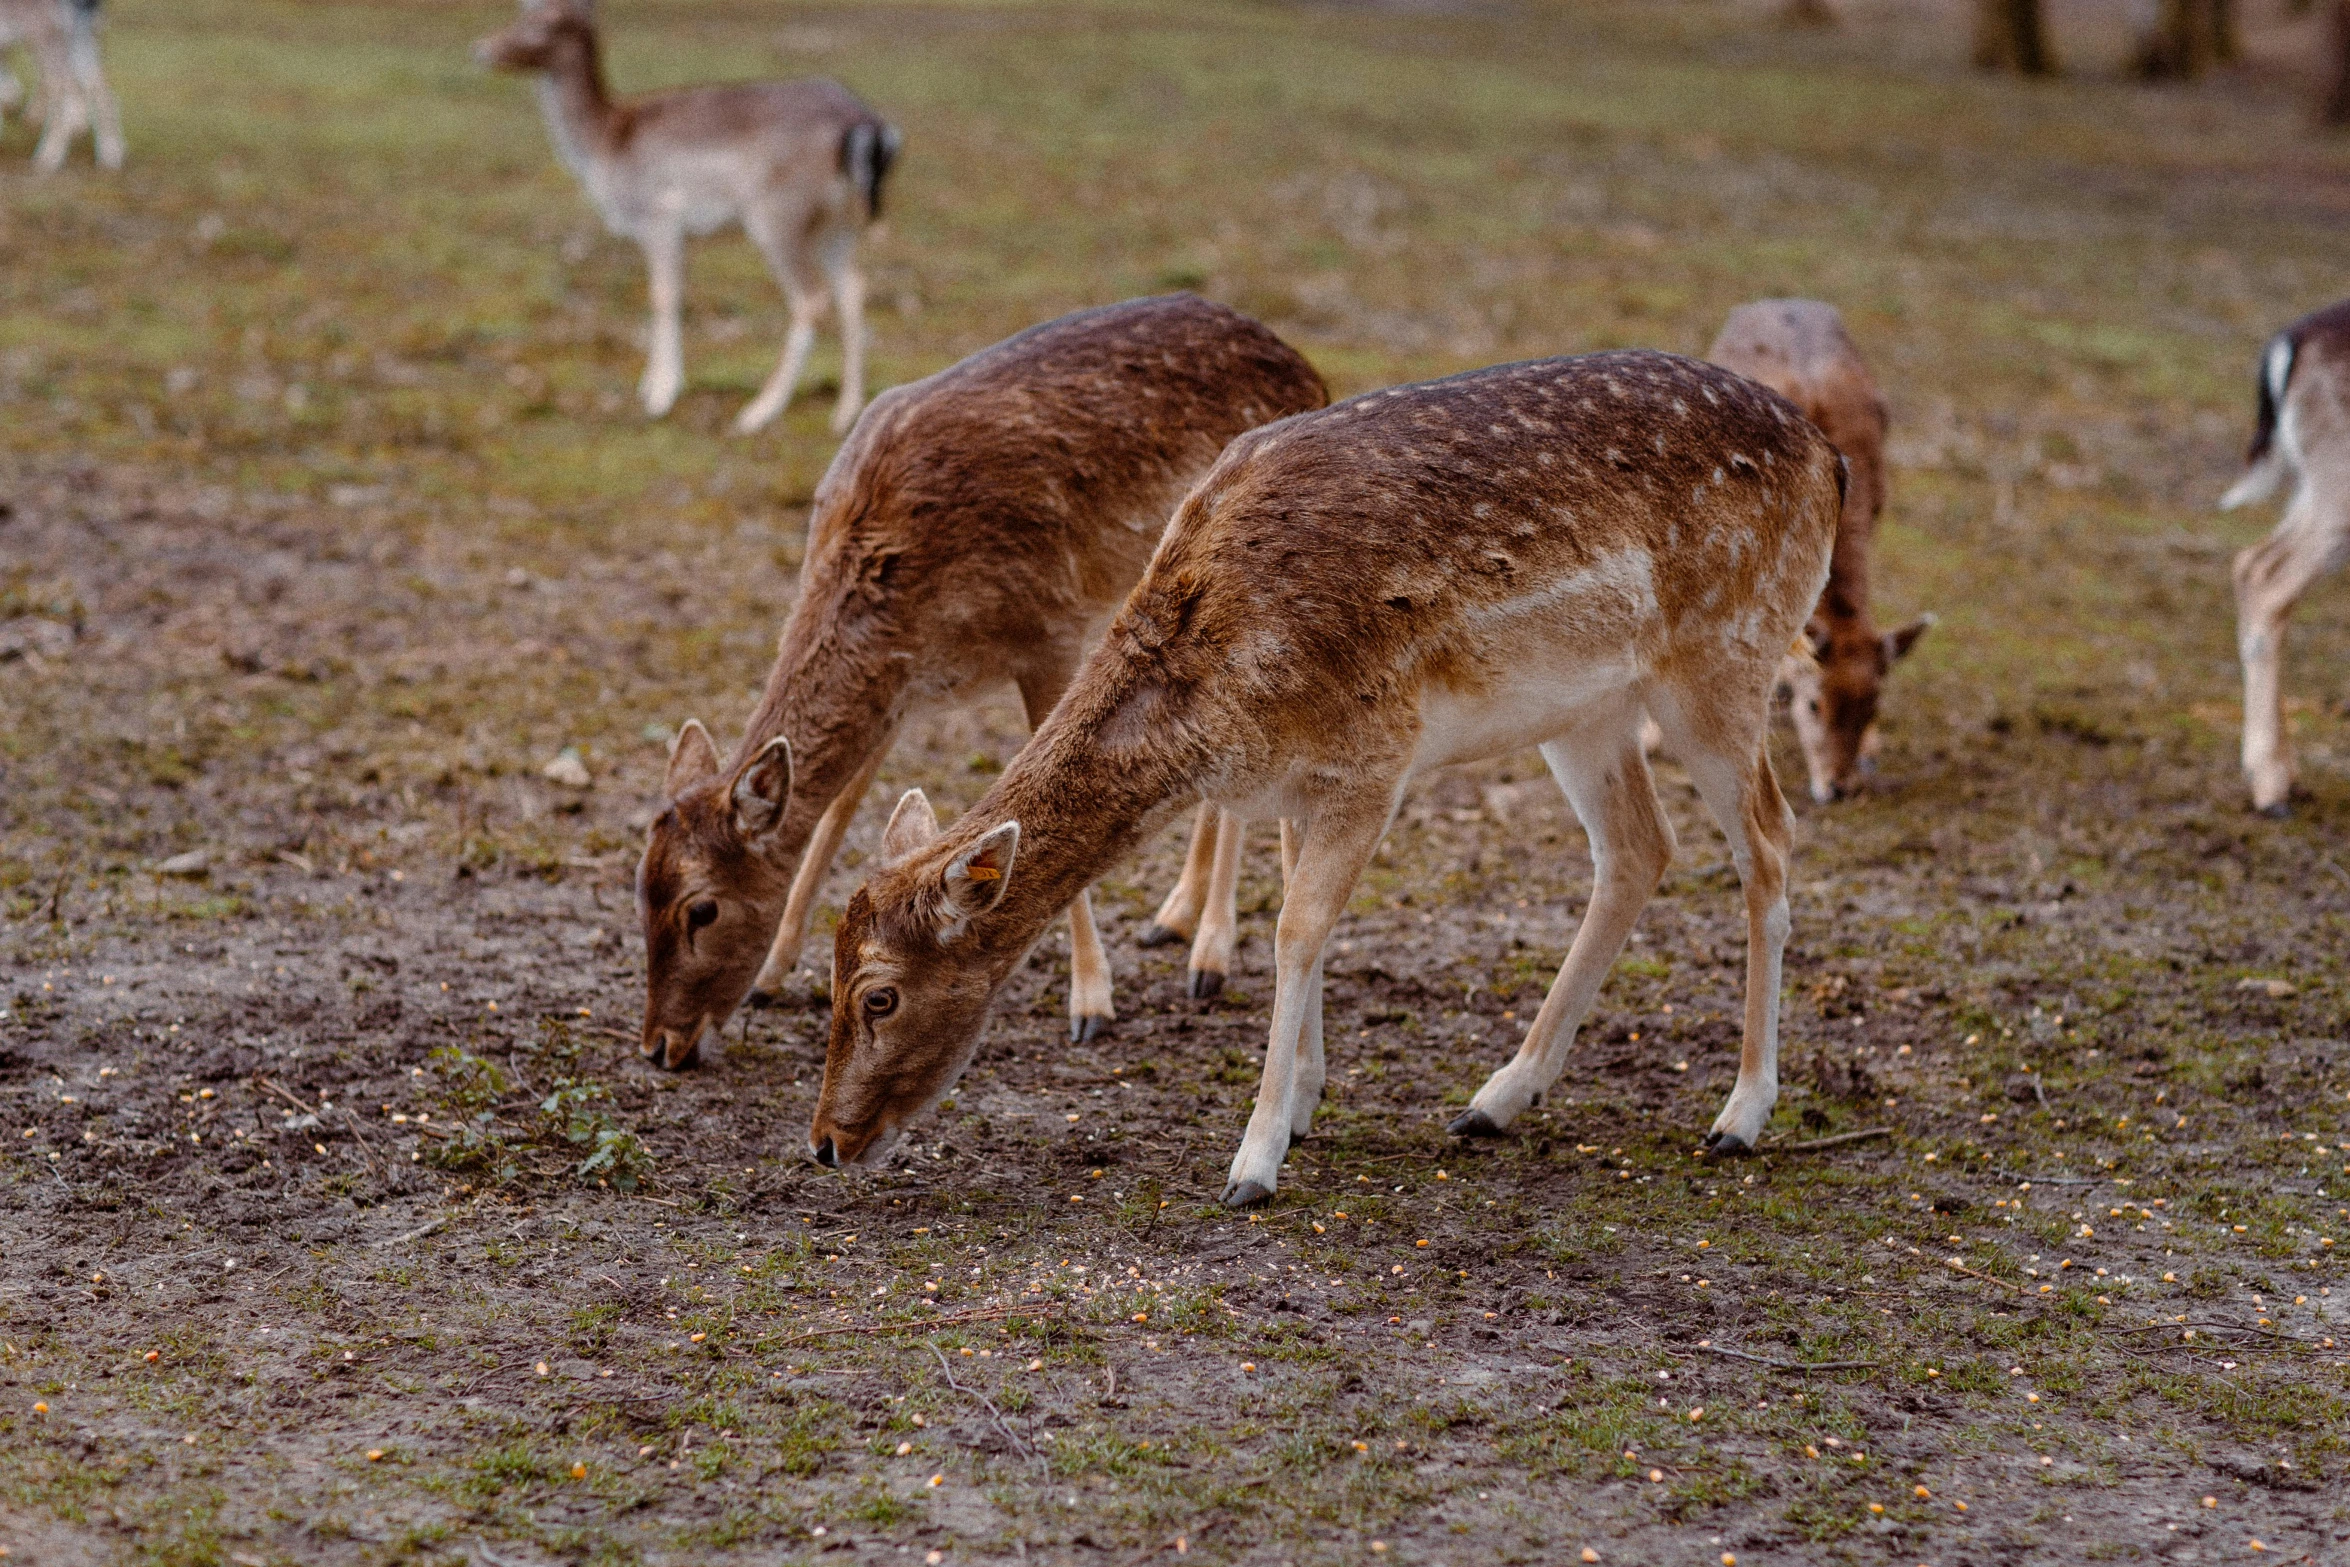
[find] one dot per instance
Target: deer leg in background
(2270, 577)
(1331, 853)
(1090, 1009)
(784, 955)
(90, 77)
(777, 236)
(1179, 916)
(839, 258)
(1219, 920)
(1605, 778)
(1312, 1069)
(665, 366)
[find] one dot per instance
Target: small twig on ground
(2049, 1180)
(1957, 1266)
(1837, 1141)
(1790, 1365)
(993, 1413)
(366, 1149)
(991, 1314)
(417, 1234)
(268, 1087)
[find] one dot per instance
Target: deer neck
(579, 109)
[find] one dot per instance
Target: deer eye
(881, 1002)
(700, 914)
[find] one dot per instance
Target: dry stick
(1957, 1266)
(268, 1087)
(1792, 1365)
(991, 1314)
(1818, 1143)
(417, 1234)
(993, 1413)
(365, 1147)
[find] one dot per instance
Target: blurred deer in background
(2302, 434)
(1799, 349)
(978, 526)
(62, 37)
(798, 164)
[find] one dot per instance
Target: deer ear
(911, 825)
(975, 879)
(1898, 643)
(692, 759)
(761, 789)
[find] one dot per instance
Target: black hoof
(1726, 1145)
(2278, 812)
(761, 1000)
(1246, 1194)
(1474, 1123)
(1294, 1139)
(1157, 935)
(662, 1057)
(1205, 984)
(1088, 1027)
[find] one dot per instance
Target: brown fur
(1799, 349)
(1426, 575)
(977, 527)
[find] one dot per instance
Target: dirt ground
(340, 1223)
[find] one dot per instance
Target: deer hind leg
(1603, 772)
(2270, 578)
(1331, 853)
(65, 111)
(91, 79)
(1733, 774)
(665, 365)
(1219, 918)
(848, 295)
(1311, 1067)
(778, 238)
(784, 955)
(1178, 918)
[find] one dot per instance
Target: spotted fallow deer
(1524, 556)
(798, 164)
(978, 526)
(1799, 349)
(62, 38)
(2302, 434)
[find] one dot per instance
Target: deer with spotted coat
(1531, 555)
(1799, 349)
(2302, 434)
(798, 164)
(977, 526)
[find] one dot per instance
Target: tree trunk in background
(2009, 36)
(2336, 109)
(2189, 37)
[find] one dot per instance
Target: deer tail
(2269, 459)
(867, 150)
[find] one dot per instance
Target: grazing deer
(1799, 349)
(977, 526)
(62, 37)
(798, 164)
(1524, 556)
(2302, 434)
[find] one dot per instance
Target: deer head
(1833, 698)
(542, 29)
(709, 890)
(911, 978)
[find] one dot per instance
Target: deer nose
(824, 1154)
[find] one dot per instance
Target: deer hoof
(1092, 1026)
(1246, 1194)
(1205, 983)
(672, 1054)
(1155, 934)
(761, 1000)
(1726, 1145)
(1473, 1123)
(2278, 812)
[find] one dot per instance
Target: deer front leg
(68, 115)
(848, 295)
(831, 827)
(665, 366)
(1331, 854)
(1312, 1068)
(1219, 920)
(1604, 775)
(1178, 917)
(1090, 1012)
(2270, 578)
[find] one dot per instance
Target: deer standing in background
(1799, 349)
(798, 164)
(2302, 434)
(62, 37)
(1525, 556)
(977, 526)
